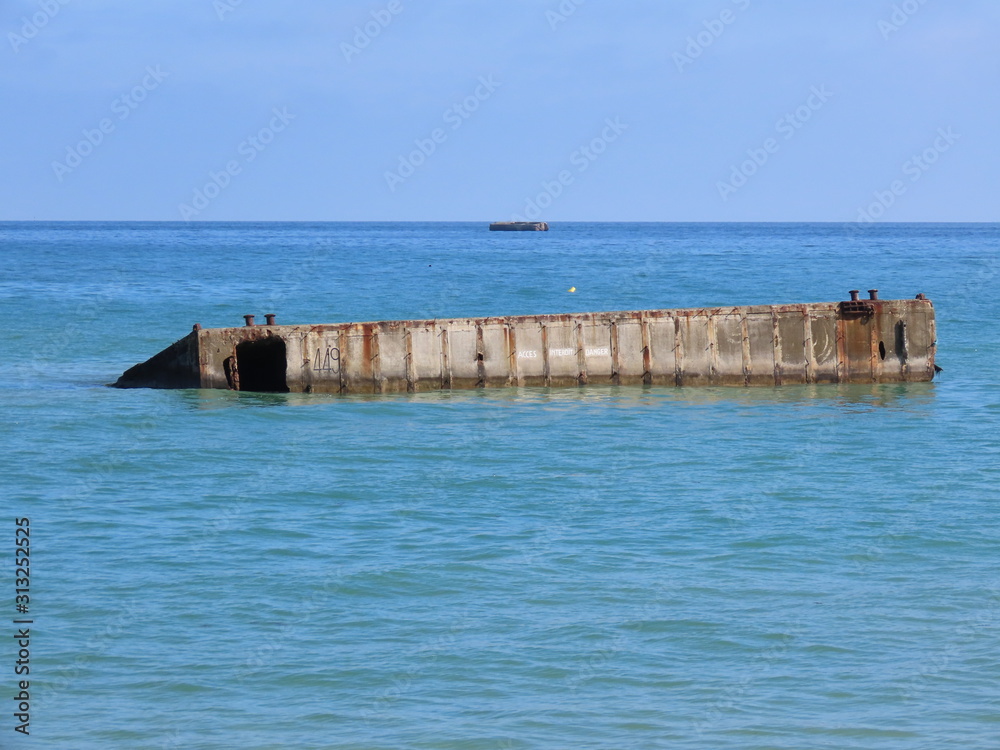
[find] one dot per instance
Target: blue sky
(563, 110)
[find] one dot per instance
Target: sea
(537, 569)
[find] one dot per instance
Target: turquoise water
(803, 567)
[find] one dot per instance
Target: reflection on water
(855, 397)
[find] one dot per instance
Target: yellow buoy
(572, 289)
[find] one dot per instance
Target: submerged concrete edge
(857, 341)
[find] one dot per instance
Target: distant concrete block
(519, 226)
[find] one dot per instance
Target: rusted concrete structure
(857, 341)
(519, 226)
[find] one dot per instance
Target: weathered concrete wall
(177, 366)
(868, 341)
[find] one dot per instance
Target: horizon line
(470, 221)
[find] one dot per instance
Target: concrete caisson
(857, 341)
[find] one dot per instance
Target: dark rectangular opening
(261, 365)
